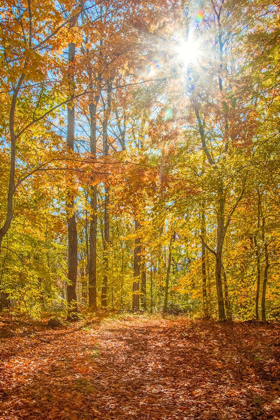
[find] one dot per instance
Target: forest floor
(140, 368)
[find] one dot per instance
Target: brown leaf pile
(141, 368)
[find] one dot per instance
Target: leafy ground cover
(140, 368)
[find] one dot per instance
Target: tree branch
(207, 246)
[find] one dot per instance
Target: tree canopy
(139, 157)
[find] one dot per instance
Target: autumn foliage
(135, 368)
(139, 158)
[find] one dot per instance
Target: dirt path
(142, 369)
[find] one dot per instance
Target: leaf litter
(142, 368)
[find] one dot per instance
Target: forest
(139, 182)
(140, 157)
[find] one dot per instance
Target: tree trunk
(92, 294)
(219, 287)
(13, 137)
(203, 264)
(122, 281)
(227, 299)
(265, 279)
(71, 218)
(266, 267)
(72, 266)
(87, 240)
(258, 256)
(104, 290)
(144, 286)
(93, 218)
(137, 270)
(219, 253)
(151, 287)
(166, 292)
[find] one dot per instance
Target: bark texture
(71, 218)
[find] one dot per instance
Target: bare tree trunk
(203, 264)
(144, 285)
(13, 137)
(72, 267)
(221, 229)
(93, 218)
(4, 297)
(227, 299)
(122, 281)
(87, 241)
(137, 270)
(265, 280)
(139, 274)
(219, 254)
(166, 292)
(84, 273)
(219, 287)
(151, 287)
(266, 267)
(92, 294)
(104, 290)
(71, 218)
(258, 256)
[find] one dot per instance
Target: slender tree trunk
(227, 299)
(137, 270)
(122, 281)
(219, 254)
(72, 266)
(258, 257)
(265, 280)
(266, 266)
(84, 276)
(71, 218)
(208, 272)
(4, 297)
(219, 287)
(144, 285)
(11, 188)
(139, 273)
(151, 287)
(86, 259)
(92, 250)
(13, 137)
(220, 221)
(203, 264)
(93, 218)
(166, 292)
(87, 241)
(112, 299)
(104, 290)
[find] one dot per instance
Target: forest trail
(142, 368)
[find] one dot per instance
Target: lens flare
(200, 16)
(188, 51)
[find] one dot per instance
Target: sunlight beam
(187, 51)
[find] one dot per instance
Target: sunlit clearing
(187, 51)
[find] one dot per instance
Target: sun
(187, 51)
